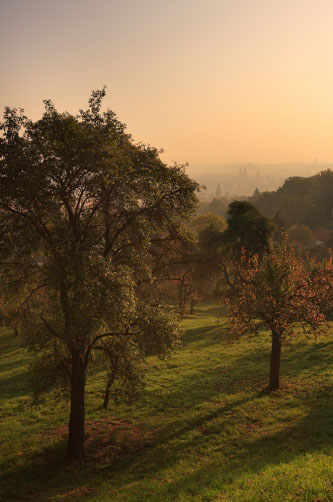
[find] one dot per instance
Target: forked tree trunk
(274, 375)
(75, 452)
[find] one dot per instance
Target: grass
(204, 430)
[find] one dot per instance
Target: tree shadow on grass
(130, 465)
(46, 471)
(42, 474)
(125, 460)
(311, 434)
(319, 354)
(248, 371)
(250, 453)
(15, 386)
(206, 335)
(113, 448)
(202, 311)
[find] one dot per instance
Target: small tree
(277, 293)
(302, 238)
(125, 358)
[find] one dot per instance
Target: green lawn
(204, 430)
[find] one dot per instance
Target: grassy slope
(203, 431)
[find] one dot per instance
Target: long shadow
(15, 385)
(50, 475)
(39, 471)
(305, 437)
(206, 335)
(202, 311)
(47, 471)
(250, 370)
(273, 449)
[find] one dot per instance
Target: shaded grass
(204, 430)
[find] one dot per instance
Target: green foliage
(125, 368)
(302, 237)
(248, 229)
(208, 220)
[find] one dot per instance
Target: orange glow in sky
(212, 81)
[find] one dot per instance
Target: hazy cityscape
(241, 180)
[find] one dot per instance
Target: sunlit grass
(204, 430)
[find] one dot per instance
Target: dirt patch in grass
(108, 439)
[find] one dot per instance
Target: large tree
(82, 208)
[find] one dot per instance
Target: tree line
(305, 205)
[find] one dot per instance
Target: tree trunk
(107, 392)
(75, 452)
(274, 376)
(180, 297)
(192, 305)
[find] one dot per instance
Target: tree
(302, 237)
(217, 206)
(83, 207)
(248, 229)
(279, 230)
(277, 293)
(197, 260)
(208, 220)
(199, 269)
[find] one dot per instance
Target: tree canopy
(247, 228)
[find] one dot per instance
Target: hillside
(204, 430)
(306, 201)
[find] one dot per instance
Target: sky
(209, 81)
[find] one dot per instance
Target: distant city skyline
(221, 81)
(243, 179)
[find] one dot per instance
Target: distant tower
(218, 193)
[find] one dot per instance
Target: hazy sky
(210, 81)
